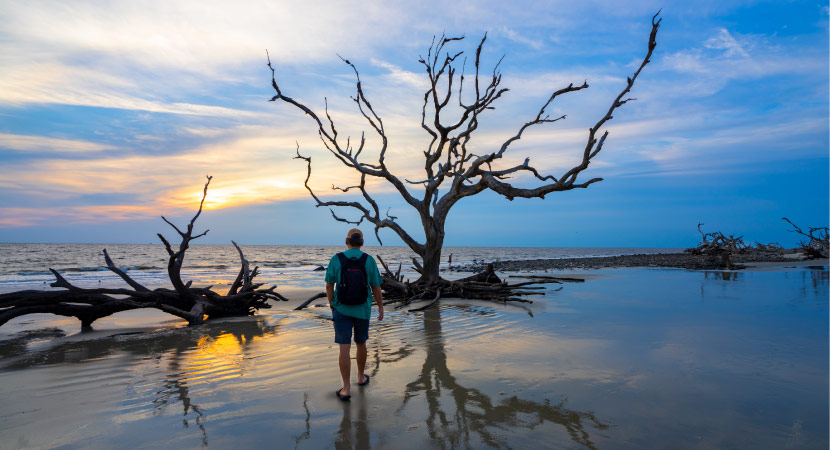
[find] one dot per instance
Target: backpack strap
(342, 257)
(363, 259)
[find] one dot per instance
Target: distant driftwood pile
(190, 303)
(723, 247)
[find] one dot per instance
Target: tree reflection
(457, 413)
(156, 343)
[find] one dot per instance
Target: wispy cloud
(43, 145)
(400, 76)
(53, 83)
(516, 37)
(726, 42)
(727, 56)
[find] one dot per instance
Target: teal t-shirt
(363, 311)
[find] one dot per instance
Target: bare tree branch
(111, 266)
(447, 156)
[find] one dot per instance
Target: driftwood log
(817, 244)
(193, 304)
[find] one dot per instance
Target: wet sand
(632, 358)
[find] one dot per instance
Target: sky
(113, 112)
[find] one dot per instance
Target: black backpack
(353, 288)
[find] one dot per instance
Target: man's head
(354, 239)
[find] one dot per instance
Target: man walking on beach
(357, 279)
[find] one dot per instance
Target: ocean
(26, 266)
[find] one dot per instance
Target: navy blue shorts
(343, 326)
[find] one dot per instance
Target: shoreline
(663, 260)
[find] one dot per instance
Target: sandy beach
(632, 358)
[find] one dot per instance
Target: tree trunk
(432, 252)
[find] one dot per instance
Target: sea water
(26, 266)
(631, 358)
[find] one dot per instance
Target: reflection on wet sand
(818, 279)
(307, 433)
(353, 432)
(725, 275)
(177, 390)
(456, 412)
(214, 350)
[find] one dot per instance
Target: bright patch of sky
(112, 113)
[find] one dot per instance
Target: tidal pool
(632, 358)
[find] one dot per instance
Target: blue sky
(112, 113)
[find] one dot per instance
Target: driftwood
(720, 247)
(551, 279)
(717, 242)
(817, 244)
(193, 304)
(485, 285)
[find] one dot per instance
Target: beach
(638, 357)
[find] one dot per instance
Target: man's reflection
(354, 430)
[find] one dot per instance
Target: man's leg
(346, 367)
(361, 334)
(343, 337)
(361, 361)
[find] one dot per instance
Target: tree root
(485, 285)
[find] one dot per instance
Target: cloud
(250, 165)
(53, 83)
(38, 145)
(726, 57)
(399, 76)
(725, 41)
(516, 37)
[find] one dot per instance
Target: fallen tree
(817, 244)
(193, 304)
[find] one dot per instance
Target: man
(351, 314)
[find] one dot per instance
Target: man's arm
(378, 295)
(330, 292)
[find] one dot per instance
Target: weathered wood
(190, 303)
(433, 302)
(817, 243)
(550, 278)
(482, 286)
(307, 302)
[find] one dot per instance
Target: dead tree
(452, 171)
(816, 246)
(193, 304)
